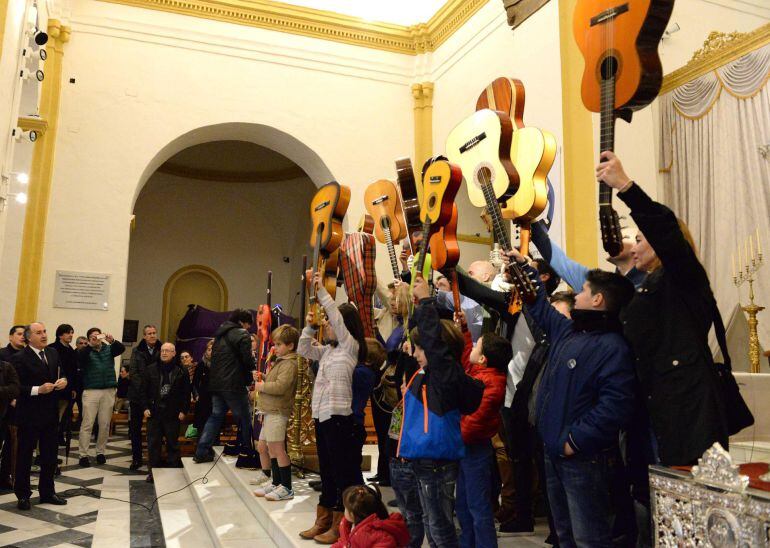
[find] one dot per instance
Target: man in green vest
(96, 363)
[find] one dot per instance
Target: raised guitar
(481, 146)
(445, 251)
(410, 203)
(619, 42)
(327, 209)
(440, 182)
(382, 201)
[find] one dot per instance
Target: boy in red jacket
(488, 362)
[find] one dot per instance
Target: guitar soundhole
(432, 202)
(484, 175)
(321, 227)
(609, 67)
(385, 223)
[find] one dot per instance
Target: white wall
(237, 229)
(145, 78)
(484, 49)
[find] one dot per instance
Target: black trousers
(135, 416)
(158, 428)
(203, 409)
(381, 420)
(337, 444)
(29, 436)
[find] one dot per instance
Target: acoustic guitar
(382, 201)
(327, 210)
(264, 330)
(445, 250)
(365, 224)
(440, 183)
(619, 42)
(533, 152)
(481, 146)
(410, 203)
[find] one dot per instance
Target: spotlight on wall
(19, 134)
(27, 74)
(41, 38)
(21, 197)
(671, 29)
(22, 178)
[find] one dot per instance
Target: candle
(759, 246)
(740, 260)
(732, 260)
(746, 250)
(751, 245)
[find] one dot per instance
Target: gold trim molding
(718, 50)
(223, 176)
(327, 25)
(29, 123)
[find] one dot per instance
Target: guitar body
(331, 272)
(410, 203)
(327, 209)
(481, 146)
(507, 95)
(630, 37)
(365, 224)
(533, 152)
(383, 204)
(440, 183)
(444, 248)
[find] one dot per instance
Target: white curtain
(716, 178)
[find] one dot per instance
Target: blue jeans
(238, 403)
(474, 499)
(425, 494)
(579, 495)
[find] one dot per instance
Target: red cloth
(374, 532)
(482, 425)
(751, 469)
(357, 256)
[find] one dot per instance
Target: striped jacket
(332, 390)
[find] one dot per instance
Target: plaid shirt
(357, 255)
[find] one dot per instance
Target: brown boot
(323, 520)
(333, 534)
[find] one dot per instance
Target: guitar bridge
(473, 142)
(609, 14)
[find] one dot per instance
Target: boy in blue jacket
(424, 473)
(585, 397)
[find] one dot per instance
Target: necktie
(42, 358)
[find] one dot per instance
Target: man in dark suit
(37, 416)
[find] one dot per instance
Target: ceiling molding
(718, 50)
(326, 25)
(224, 176)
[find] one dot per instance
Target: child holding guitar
(331, 406)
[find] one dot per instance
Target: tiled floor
(86, 513)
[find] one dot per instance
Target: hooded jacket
(231, 360)
(430, 428)
(587, 391)
(374, 532)
(482, 425)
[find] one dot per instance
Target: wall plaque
(87, 290)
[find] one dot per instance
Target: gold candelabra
(746, 272)
(301, 428)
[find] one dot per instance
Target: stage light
(19, 134)
(41, 38)
(21, 197)
(22, 178)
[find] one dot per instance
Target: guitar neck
(607, 132)
(391, 253)
(423, 248)
(496, 215)
(302, 302)
(455, 289)
(269, 288)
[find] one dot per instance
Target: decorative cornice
(327, 25)
(28, 123)
(224, 176)
(718, 50)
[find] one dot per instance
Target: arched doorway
(194, 284)
(238, 207)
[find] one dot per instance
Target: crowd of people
(482, 414)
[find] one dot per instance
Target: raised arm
(345, 340)
(570, 271)
(552, 322)
(305, 346)
(428, 322)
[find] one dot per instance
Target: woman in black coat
(667, 325)
(200, 389)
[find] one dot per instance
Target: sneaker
(280, 493)
(84, 462)
(259, 479)
(517, 528)
(101, 459)
(265, 490)
(205, 458)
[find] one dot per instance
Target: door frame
(175, 277)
